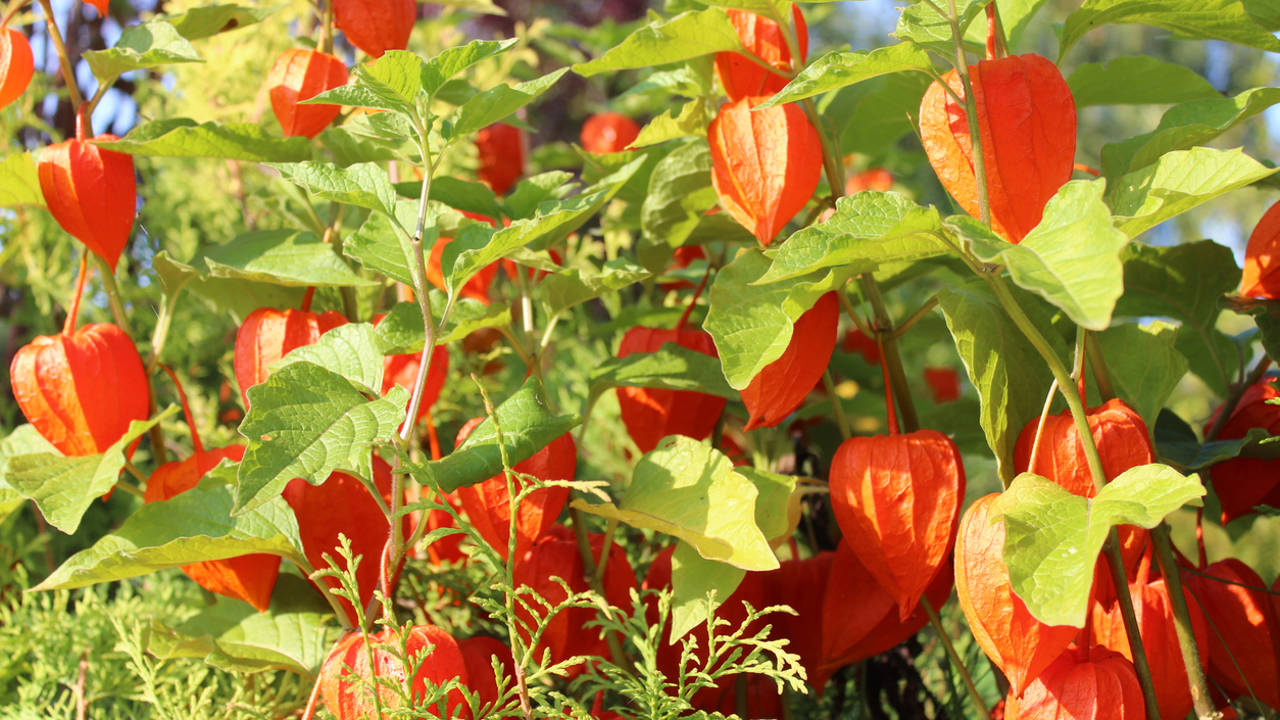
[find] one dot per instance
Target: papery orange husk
(92, 193)
(376, 26)
(488, 504)
(801, 584)
(403, 369)
(651, 414)
(608, 133)
(1244, 635)
(1027, 124)
(1261, 276)
(100, 5)
(348, 699)
(81, 390)
(477, 653)
(1019, 644)
(1097, 684)
(944, 384)
(1243, 483)
(500, 152)
(267, 335)
(877, 179)
(342, 504)
(765, 164)
(1118, 432)
(250, 578)
(299, 75)
(855, 341)
(897, 500)
(760, 36)
(1154, 611)
(16, 64)
(777, 390)
(476, 288)
(565, 633)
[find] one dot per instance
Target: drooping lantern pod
(91, 192)
(1027, 126)
(267, 335)
(565, 634)
(342, 504)
(100, 5)
(1015, 641)
(801, 584)
(1097, 683)
(500, 152)
(347, 679)
(897, 501)
(16, 64)
(477, 653)
(765, 164)
(403, 369)
(299, 75)
(488, 504)
(376, 26)
(856, 341)
(651, 414)
(777, 390)
(944, 384)
(1261, 276)
(1244, 637)
(877, 179)
(760, 36)
(1243, 483)
(81, 389)
(476, 288)
(1154, 610)
(608, 133)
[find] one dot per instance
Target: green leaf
(841, 68)
(528, 425)
(202, 22)
(1178, 182)
(1266, 313)
(64, 487)
(377, 244)
(671, 367)
(439, 69)
(1144, 364)
(20, 182)
(1052, 537)
(497, 103)
(872, 116)
(692, 577)
(1010, 376)
(751, 324)
(349, 350)
(24, 440)
(457, 193)
(183, 137)
(922, 23)
(284, 257)
(687, 35)
(401, 330)
(1178, 445)
(150, 44)
(1185, 126)
(771, 505)
(1229, 20)
(305, 421)
(691, 121)
(868, 229)
(690, 490)
(232, 636)
(364, 185)
(679, 194)
(566, 288)
(1071, 259)
(1137, 80)
(193, 526)
(1184, 283)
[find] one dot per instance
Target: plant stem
(954, 656)
(15, 7)
(597, 584)
(1233, 400)
(1182, 624)
(837, 409)
(1101, 376)
(971, 111)
(1115, 562)
(888, 338)
(916, 316)
(64, 60)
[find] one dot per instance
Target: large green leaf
(751, 324)
(306, 422)
(871, 117)
(498, 102)
(1071, 259)
(283, 257)
(1266, 313)
(679, 194)
(687, 35)
(692, 578)
(202, 22)
(19, 181)
(1177, 182)
(841, 68)
(378, 244)
(690, 490)
(566, 288)
(441, 68)
(1137, 80)
(1229, 20)
(1185, 283)
(183, 137)
(1010, 376)
(1144, 364)
(350, 350)
(868, 229)
(150, 44)
(690, 121)
(1053, 537)
(392, 82)
(922, 23)
(230, 635)
(364, 185)
(1185, 126)
(671, 367)
(193, 526)
(528, 425)
(24, 440)
(64, 487)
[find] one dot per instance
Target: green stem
(597, 584)
(842, 422)
(1115, 562)
(1101, 375)
(1200, 697)
(64, 60)
(917, 316)
(1233, 399)
(971, 110)
(892, 359)
(954, 656)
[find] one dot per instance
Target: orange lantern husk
(91, 192)
(1095, 683)
(267, 335)
(500, 152)
(651, 414)
(1243, 483)
(1244, 643)
(608, 133)
(777, 390)
(299, 75)
(760, 36)
(1261, 276)
(376, 26)
(348, 698)
(17, 64)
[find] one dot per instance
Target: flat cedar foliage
(640, 360)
